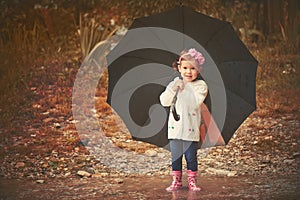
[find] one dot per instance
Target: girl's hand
(179, 83)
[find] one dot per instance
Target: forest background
(34, 32)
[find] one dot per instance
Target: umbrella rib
(155, 35)
(244, 100)
(182, 15)
(138, 57)
(215, 33)
(244, 61)
(156, 80)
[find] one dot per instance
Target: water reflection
(187, 195)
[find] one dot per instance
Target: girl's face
(188, 72)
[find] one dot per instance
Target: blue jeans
(189, 149)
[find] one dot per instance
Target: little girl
(184, 133)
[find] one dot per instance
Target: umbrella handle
(173, 109)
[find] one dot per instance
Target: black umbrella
(140, 68)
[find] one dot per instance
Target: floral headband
(194, 54)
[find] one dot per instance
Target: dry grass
(278, 83)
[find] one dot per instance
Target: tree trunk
(275, 11)
(293, 23)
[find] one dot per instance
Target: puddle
(148, 187)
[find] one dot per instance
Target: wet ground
(152, 187)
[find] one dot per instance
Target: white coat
(187, 106)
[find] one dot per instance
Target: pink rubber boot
(192, 181)
(176, 184)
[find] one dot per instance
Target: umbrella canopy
(140, 68)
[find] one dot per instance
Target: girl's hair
(192, 55)
(175, 65)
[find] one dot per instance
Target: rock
(266, 160)
(263, 186)
(232, 173)
(40, 181)
(47, 120)
(118, 180)
(57, 125)
(221, 172)
(20, 164)
(297, 154)
(151, 153)
(67, 174)
(96, 176)
(83, 174)
(288, 161)
(104, 174)
(161, 155)
(83, 142)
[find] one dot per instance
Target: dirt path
(153, 187)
